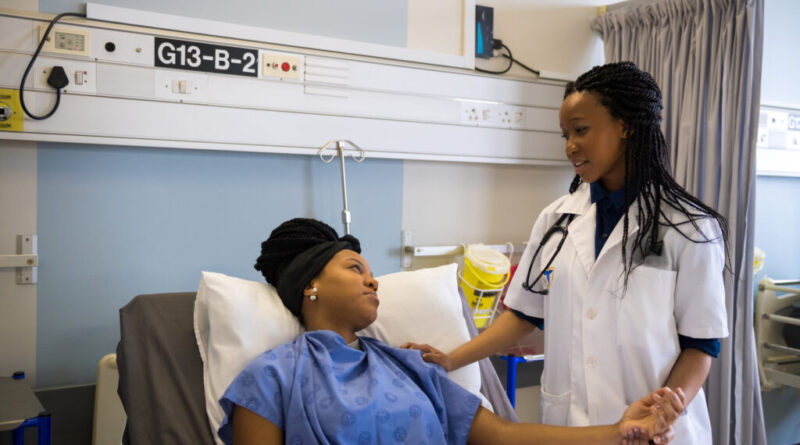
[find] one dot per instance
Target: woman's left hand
(652, 417)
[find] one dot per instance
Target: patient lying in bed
(330, 386)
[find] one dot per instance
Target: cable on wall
(57, 79)
(498, 44)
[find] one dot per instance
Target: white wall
(435, 26)
(546, 35)
(459, 203)
(452, 203)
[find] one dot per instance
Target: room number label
(197, 56)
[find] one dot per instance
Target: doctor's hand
(652, 417)
(432, 355)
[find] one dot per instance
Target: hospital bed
(161, 372)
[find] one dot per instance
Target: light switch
(181, 87)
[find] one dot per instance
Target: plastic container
(484, 275)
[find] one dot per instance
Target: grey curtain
(706, 57)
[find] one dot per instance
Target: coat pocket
(645, 310)
(555, 408)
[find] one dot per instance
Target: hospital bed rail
(778, 362)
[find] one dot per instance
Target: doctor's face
(347, 292)
(595, 140)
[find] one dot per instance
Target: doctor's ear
(626, 131)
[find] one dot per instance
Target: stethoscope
(656, 248)
(555, 228)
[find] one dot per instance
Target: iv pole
(359, 155)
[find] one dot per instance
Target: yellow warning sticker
(10, 110)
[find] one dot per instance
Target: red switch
(285, 66)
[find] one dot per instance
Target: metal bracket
(359, 155)
(405, 241)
(26, 260)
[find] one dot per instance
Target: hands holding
(432, 355)
(648, 420)
(652, 417)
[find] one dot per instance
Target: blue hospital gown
(318, 390)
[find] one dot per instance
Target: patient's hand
(432, 355)
(653, 416)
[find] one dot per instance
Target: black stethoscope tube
(555, 228)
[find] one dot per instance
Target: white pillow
(424, 306)
(236, 319)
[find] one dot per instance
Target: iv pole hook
(359, 156)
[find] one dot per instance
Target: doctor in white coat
(625, 273)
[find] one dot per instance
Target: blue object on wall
(484, 31)
(116, 222)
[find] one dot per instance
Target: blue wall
(778, 225)
(373, 21)
(116, 222)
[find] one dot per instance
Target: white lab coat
(605, 349)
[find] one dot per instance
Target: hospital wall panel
(116, 222)
(376, 21)
(390, 109)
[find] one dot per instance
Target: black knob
(110, 47)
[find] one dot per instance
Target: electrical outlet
(469, 113)
(491, 114)
(508, 117)
(81, 75)
(282, 66)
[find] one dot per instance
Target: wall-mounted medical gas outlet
(5, 112)
(10, 111)
(282, 66)
(64, 40)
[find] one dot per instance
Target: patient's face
(347, 291)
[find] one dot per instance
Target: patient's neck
(347, 333)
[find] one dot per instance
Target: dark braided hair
(291, 238)
(633, 96)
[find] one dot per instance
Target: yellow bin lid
(487, 259)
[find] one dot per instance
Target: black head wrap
(296, 252)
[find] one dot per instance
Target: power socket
(490, 114)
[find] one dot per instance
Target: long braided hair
(633, 96)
